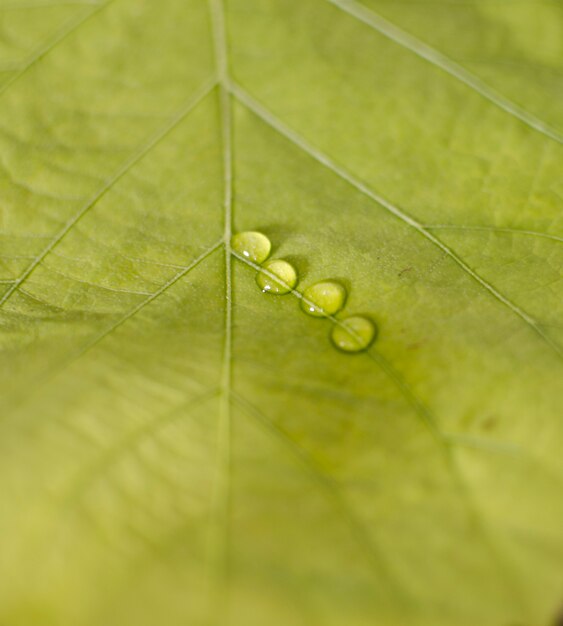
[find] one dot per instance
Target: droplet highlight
(252, 245)
(323, 299)
(354, 334)
(277, 277)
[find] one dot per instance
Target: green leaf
(177, 447)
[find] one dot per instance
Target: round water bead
(323, 299)
(354, 334)
(277, 276)
(252, 245)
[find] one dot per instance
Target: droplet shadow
(278, 234)
(301, 265)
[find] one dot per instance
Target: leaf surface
(177, 447)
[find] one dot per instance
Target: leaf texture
(177, 447)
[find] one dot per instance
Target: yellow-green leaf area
(178, 447)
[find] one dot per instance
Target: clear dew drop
(252, 245)
(277, 276)
(323, 299)
(354, 334)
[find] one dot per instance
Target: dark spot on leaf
(489, 423)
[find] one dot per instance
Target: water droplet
(252, 245)
(277, 277)
(323, 299)
(354, 334)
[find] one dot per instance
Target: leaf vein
(59, 37)
(495, 229)
(448, 65)
(178, 276)
(109, 184)
(220, 533)
(53, 371)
